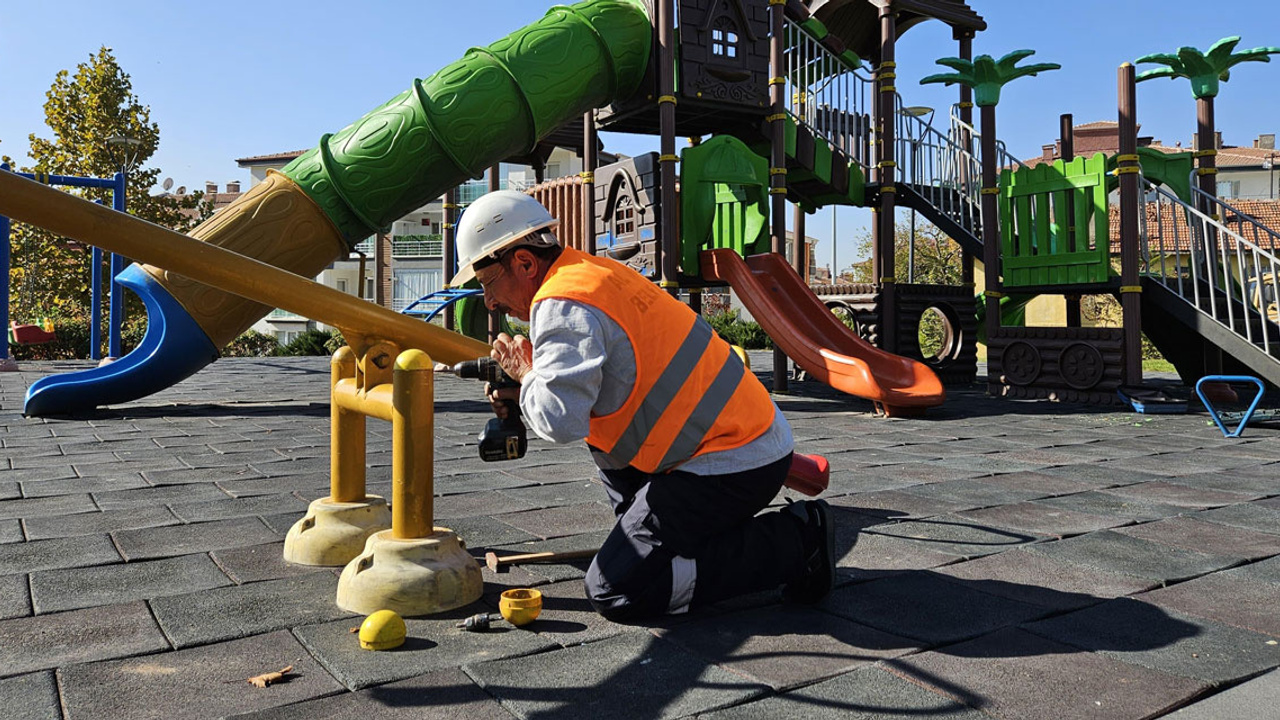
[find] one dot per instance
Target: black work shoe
(819, 574)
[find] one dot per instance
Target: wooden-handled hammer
(498, 563)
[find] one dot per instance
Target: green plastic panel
(1054, 226)
(1173, 170)
(724, 200)
(494, 103)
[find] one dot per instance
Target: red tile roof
(1168, 230)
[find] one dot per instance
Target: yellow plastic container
(520, 606)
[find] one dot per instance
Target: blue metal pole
(95, 327)
(117, 266)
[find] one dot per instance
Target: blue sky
(235, 78)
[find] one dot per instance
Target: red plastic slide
(812, 336)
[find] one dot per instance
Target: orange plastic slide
(812, 336)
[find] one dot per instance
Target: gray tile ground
(208, 681)
(245, 444)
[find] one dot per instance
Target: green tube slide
(494, 103)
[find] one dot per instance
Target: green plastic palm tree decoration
(987, 76)
(1206, 71)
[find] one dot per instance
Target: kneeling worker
(689, 444)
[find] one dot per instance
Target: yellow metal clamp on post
(964, 105)
(587, 177)
(991, 191)
(1207, 171)
(888, 88)
(777, 171)
(1128, 158)
(669, 158)
(667, 99)
(993, 294)
(1204, 153)
(775, 117)
(1130, 288)
(1128, 170)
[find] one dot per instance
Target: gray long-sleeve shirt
(583, 364)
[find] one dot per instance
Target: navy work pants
(685, 541)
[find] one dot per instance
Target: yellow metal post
(412, 446)
(347, 428)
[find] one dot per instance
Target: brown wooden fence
(563, 199)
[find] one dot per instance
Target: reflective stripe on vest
(664, 391)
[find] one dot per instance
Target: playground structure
(791, 117)
(30, 333)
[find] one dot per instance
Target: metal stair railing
(967, 137)
(941, 170)
(827, 94)
(1221, 263)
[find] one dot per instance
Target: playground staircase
(1210, 286)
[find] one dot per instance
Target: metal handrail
(827, 94)
(968, 137)
(948, 176)
(1226, 262)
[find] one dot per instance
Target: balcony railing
(408, 246)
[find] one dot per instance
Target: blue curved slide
(173, 349)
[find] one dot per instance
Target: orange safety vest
(692, 394)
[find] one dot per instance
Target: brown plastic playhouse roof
(856, 22)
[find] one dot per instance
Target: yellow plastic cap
(520, 606)
(382, 630)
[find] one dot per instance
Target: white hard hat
(497, 221)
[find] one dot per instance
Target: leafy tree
(51, 276)
(937, 256)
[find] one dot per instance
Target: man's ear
(524, 263)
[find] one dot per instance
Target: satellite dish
(168, 183)
(182, 190)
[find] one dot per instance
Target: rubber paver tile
(243, 610)
(43, 472)
(195, 538)
(1111, 551)
(867, 552)
(1223, 598)
(955, 536)
(1014, 675)
(556, 495)
(870, 693)
(105, 521)
(10, 531)
(1104, 502)
(45, 506)
(1029, 578)
(261, 562)
(469, 481)
(1267, 571)
(444, 695)
(972, 493)
(785, 647)
(9, 490)
(238, 471)
(1040, 519)
(895, 504)
(1144, 634)
(561, 521)
(73, 486)
(15, 597)
(70, 589)
(238, 507)
(308, 487)
(928, 607)
(33, 555)
(647, 676)
(486, 502)
(1044, 484)
(990, 464)
(1244, 487)
(1102, 473)
(205, 682)
(154, 496)
(44, 642)
(553, 474)
(1178, 494)
(1256, 698)
(1251, 516)
(282, 522)
(31, 697)
(1191, 533)
(431, 644)
(852, 480)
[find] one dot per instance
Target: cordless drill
(502, 438)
